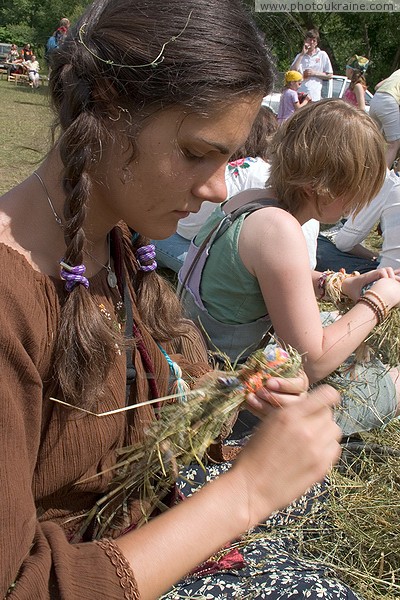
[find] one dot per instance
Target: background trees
(375, 35)
(33, 21)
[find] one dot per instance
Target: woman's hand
(289, 452)
(352, 286)
(277, 392)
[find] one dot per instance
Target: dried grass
(180, 436)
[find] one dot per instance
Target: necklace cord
(111, 277)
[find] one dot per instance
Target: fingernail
(273, 384)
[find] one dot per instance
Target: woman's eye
(191, 156)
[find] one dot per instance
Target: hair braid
(151, 289)
(85, 346)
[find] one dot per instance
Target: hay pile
(358, 534)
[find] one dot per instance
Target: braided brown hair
(126, 59)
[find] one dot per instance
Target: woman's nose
(213, 188)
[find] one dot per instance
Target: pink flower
(237, 163)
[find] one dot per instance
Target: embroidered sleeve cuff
(122, 568)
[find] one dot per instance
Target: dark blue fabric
(331, 258)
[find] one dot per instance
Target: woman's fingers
(277, 392)
(294, 448)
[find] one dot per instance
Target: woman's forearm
(292, 449)
(170, 546)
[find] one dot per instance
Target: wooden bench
(18, 78)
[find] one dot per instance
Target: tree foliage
(375, 35)
(33, 21)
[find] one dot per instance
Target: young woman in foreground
(151, 100)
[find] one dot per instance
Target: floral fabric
(272, 567)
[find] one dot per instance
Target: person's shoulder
(392, 185)
(276, 219)
(296, 57)
(17, 276)
(25, 294)
(272, 233)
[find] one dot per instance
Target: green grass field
(25, 118)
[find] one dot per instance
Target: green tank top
(229, 292)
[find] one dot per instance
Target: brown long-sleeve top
(47, 449)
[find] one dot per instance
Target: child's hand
(352, 286)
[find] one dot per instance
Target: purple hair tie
(146, 253)
(73, 276)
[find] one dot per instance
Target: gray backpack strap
(218, 230)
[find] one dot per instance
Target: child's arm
(360, 95)
(272, 247)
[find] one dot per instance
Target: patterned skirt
(266, 562)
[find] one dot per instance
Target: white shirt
(384, 207)
(319, 61)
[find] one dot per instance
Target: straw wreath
(180, 436)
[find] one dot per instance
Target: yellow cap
(293, 76)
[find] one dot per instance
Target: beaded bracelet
(371, 296)
(378, 313)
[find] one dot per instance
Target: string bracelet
(380, 307)
(73, 276)
(322, 283)
(146, 254)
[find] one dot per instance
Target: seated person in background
(329, 257)
(13, 55)
(290, 101)
(385, 208)
(33, 68)
(26, 52)
(384, 108)
(247, 169)
(14, 61)
(245, 273)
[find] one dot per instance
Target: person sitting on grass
(249, 270)
(147, 116)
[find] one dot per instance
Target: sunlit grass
(25, 120)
